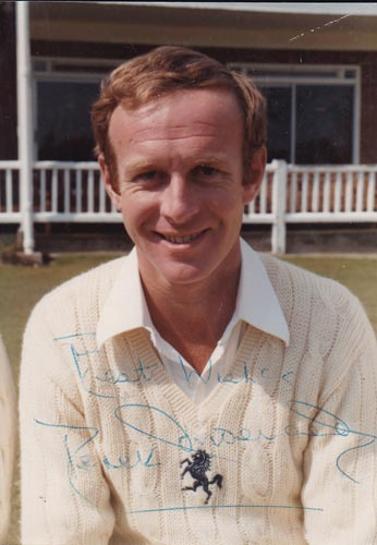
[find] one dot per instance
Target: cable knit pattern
(292, 430)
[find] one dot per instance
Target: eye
(149, 176)
(206, 170)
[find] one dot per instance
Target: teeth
(181, 240)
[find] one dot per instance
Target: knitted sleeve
(65, 497)
(341, 459)
(7, 438)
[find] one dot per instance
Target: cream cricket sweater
(115, 453)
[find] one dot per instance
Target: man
(194, 392)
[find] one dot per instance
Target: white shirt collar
(257, 304)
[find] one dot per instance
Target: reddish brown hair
(167, 69)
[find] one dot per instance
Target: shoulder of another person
(6, 378)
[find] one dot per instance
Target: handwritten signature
(320, 422)
(143, 373)
(324, 423)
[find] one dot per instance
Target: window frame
(292, 75)
(49, 74)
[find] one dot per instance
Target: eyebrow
(138, 166)
(212, 159)
(145, 164)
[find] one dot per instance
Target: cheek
(138, 210)
(227, 204)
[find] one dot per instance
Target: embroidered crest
(198, 466)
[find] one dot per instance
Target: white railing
(74, 192)
(71, 192)
(332, 194)
(9, 192)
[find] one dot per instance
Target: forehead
(183, 114)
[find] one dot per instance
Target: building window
(313, 112)
(279, 111)
(63, 120)
(64, 90)
(324, 122)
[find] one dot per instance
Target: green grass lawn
(22, 287)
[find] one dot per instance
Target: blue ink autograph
(93, 432)
(183, 440)
(334, 425)
(218, 436)
(323, 423)
(231, 506)
(144, 373)
(140, 374)
(77, 459)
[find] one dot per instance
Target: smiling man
(194, 392)
(181, 189)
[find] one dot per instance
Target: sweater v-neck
(213, 404)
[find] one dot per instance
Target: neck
(193, 318)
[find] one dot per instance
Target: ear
(106, 177)
(254, 176)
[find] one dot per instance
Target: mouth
(185, 239)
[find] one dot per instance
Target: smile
(183, 239)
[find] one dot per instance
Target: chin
(183, 273)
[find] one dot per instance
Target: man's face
(180, 172)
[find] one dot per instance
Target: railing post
(279, 192)
(25, 127)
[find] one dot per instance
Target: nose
(180, 201)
